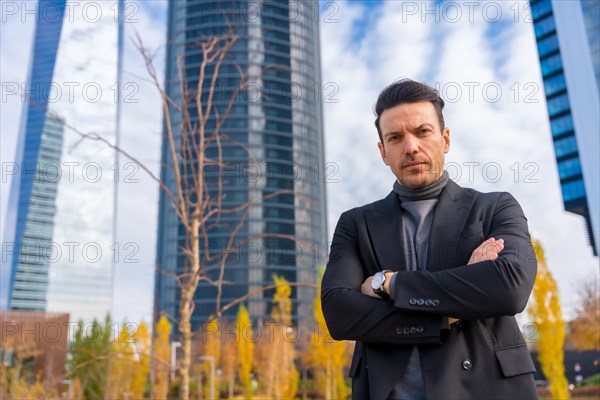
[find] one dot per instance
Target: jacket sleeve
(481, 290)
(351, 315)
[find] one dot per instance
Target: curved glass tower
(278, 120)
(59, 227)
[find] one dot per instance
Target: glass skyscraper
(278, 120)
(568, 42)
(59, 228)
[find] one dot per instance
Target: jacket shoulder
(482, 197)
(374, 206)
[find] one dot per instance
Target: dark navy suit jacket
(482, 357)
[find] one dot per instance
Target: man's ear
(383, 153)
(446, 138)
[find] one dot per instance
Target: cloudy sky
(482, 58)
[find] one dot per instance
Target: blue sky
(484, 64)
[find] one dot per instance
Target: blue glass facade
(59, 221)
(570, 104)
(29, 287)
(47, 35)
(275, 143)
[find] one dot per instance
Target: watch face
(377, 280)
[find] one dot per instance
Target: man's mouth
(413, 164)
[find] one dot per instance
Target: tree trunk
(186, 307)
(186, 344)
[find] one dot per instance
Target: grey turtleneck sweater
(417, 216)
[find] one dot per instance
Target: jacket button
(466, 364)
(412, 302)
(399, 331)
(420, 329)
(428, 302)
(420, 302)
(406, 330)
(436, 303)
(413, 330)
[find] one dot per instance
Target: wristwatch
(377, 284)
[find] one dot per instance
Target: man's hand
(487, 250)
(366, 288)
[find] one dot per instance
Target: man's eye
(424, 131)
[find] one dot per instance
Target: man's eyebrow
(425, 125)
(388, 134)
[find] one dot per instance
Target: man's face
(413, 145)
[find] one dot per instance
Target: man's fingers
(491, 252)
(487, 250)
(493, 245)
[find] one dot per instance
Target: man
(428, 280)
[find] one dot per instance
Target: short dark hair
(407, 91)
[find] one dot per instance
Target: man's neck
(430, 191)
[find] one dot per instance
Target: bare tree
(198, 198)
(584, 328)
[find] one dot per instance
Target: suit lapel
(384, 227)
(449, 219)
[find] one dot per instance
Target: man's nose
(411, 145)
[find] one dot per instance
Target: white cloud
(394, 45)
(509, 128)
(140, 135)
(141, 129)
(361, 70)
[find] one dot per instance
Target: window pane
(568, 168)
(558, 104)
(554, 84)
(547, 45)
(551, 64)
(541, 8)
(561, 125)
(565, 146)
(544, 26)
(573, 190)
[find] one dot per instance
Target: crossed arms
(485, 286)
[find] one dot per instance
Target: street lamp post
(174, 346)
(212, 373)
